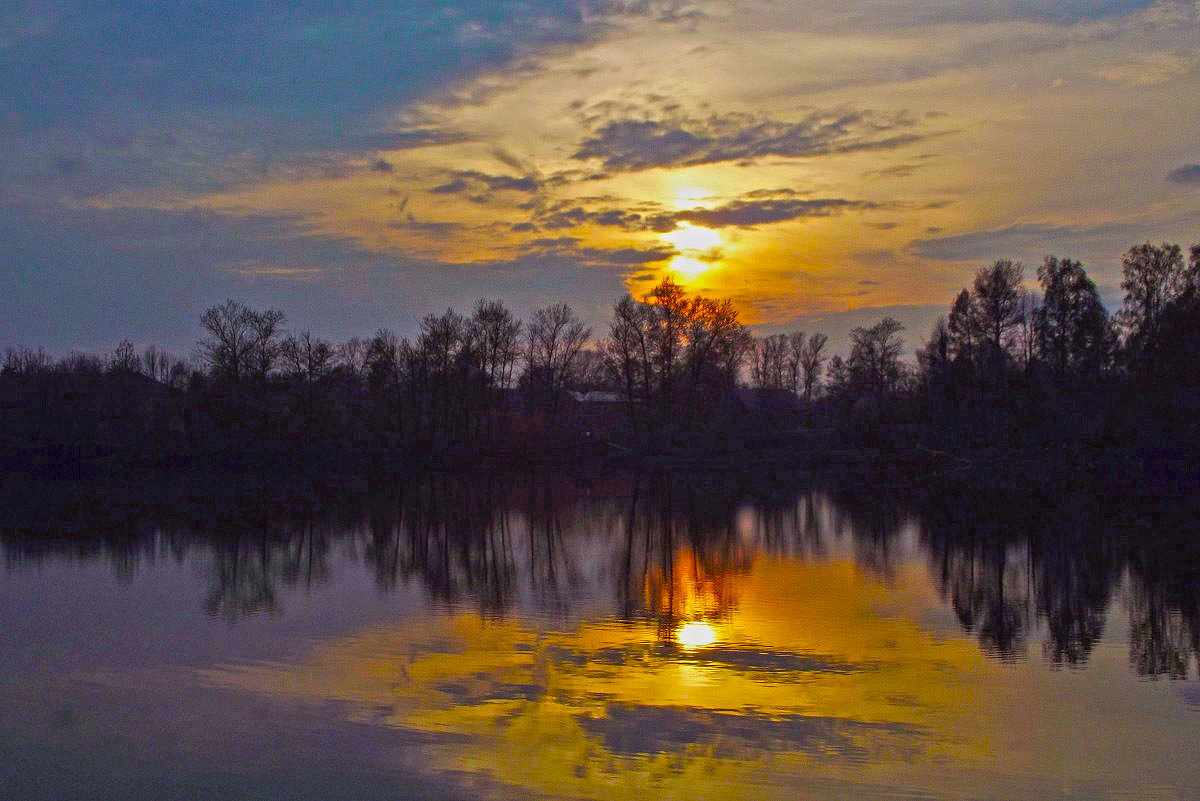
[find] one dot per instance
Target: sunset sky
(359, 164)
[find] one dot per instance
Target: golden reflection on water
(808, 680)
(695, 634)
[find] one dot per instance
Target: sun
(698, 249)
(693, 237)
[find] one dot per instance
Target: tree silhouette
(1072, 334)
(1152, 276)
(553, 340)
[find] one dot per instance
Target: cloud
(256, 269)
(755, 208)
(897, 171)
(639, 144)
(1188, 174)
(479, 186)
(564, 215)
(667, 11)
(221, 78)
(1147, 70)
(748, 213)
(1028, 240)
(745, 214)
(568, 247)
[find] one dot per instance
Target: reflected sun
(695, 634)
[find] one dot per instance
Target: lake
(700, 636)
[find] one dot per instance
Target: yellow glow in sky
(688, 267)
(687, 197)
(693, 237)
(890, 195)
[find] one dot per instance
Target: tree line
(1005, 367)
(1008, 366)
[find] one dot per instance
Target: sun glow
(699, 249)
(687, 197)
(693, 237)
(687, 267)
(695, 634)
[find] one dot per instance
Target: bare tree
(124, 359)
(591, 369)
(875, 357)
(674, 355)
(554, 339)
(627, 351)
(352, 354)
(495, 335)
(228, 341)
(240, 341)
(268, 337)
(793, 362)
(156, 363)
(769, 368)
(811, 360)
(306, 357)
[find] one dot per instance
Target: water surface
(698, 636)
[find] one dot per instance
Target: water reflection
(665, 549)
(700, 636)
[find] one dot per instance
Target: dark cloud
(897, 171)
(568, 247)
(409, 139)
(433, 227)
(751, 210)
(1188, 174)
(382, 165)
(457, 186)
(639, 144)
(1029, 241)
(479, 186)
(566, 215)
(748, 213)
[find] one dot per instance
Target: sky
(360, 164)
